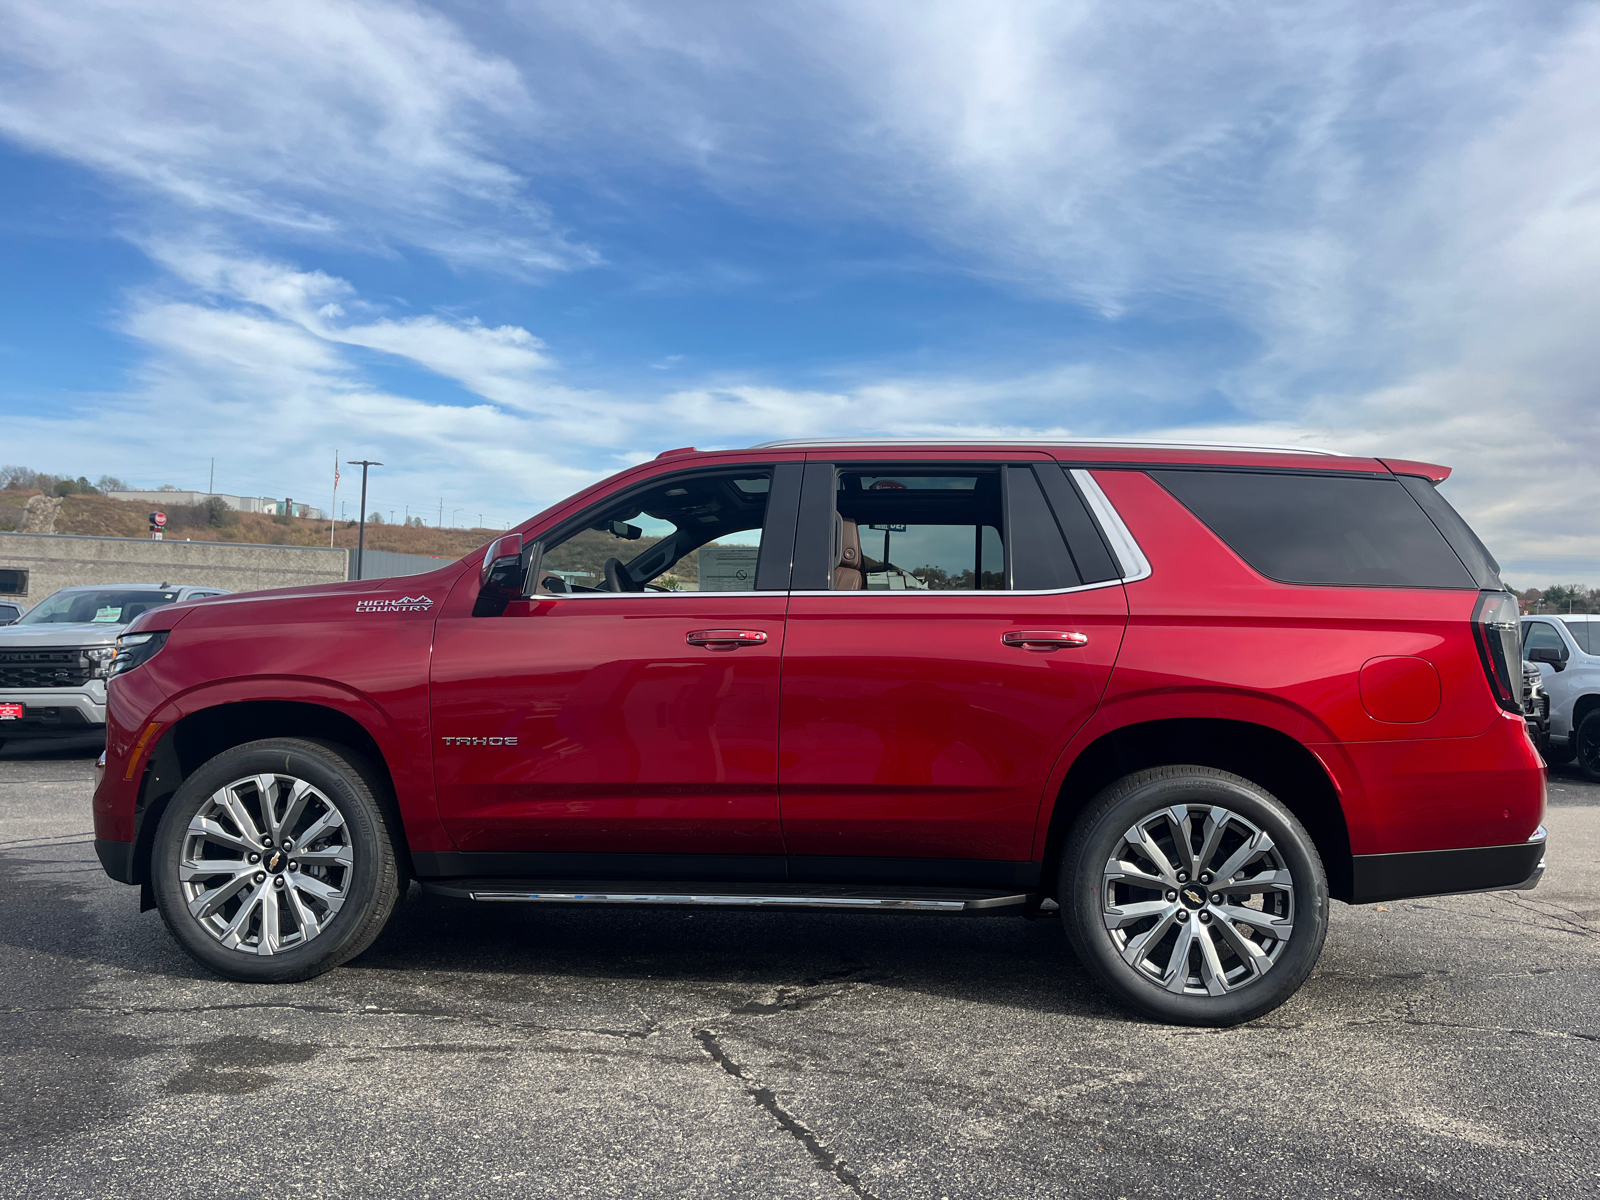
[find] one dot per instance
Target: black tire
(1557, 754)
(1586, 746)
(1191, 910)
(366, 890)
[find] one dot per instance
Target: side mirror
(1550, 656)
(502, 574)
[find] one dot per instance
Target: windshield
(111, 606)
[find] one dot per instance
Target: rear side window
(948, 527)
(1347, 530)
(919, 529)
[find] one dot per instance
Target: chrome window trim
(1135, 566)
(968, 593)
(1082, 587)
(652, 595)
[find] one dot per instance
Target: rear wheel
(274, 862)
(1586, 746)
(1194, 895)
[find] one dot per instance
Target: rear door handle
(1043, 640)
(725, 639)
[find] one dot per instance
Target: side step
(777, 896)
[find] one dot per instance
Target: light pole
(361, 536)
(453, 513)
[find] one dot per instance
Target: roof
(1131, 452)
(1095, 443)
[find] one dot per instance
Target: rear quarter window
(1355, 531)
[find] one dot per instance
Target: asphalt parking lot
(1444, 1048)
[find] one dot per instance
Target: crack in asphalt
(767, 1100)
(1544, 1033)
(1565, 925)
(1533, 904)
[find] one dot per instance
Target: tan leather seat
(847, 576)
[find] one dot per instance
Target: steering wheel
(617, 577)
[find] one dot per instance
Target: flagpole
(333, 508)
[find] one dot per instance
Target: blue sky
(509, 248)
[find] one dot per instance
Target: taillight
(1495, 626)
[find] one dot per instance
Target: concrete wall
(61, 560)
(386, 564)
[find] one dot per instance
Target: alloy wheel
(266, 864)
(1198, 900)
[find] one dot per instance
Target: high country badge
(403, 604)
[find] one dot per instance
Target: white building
(253, 504)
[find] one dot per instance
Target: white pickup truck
(55, 661)
(1567, 651)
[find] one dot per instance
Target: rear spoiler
(1429, 471)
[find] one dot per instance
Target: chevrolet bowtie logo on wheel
(403, 604)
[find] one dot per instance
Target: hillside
(97, 516)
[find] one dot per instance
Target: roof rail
(795, 443)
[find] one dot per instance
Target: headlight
(100, 661)
(136, 649)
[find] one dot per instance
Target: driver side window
(696, 531)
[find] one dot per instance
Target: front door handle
(725, 639)
(1043, 641)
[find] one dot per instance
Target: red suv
(1179, 695)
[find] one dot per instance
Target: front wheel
(274, 861)
(1194, 895)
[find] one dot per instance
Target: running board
(952, 901)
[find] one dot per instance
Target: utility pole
(361, 535)
(334, 503)
(211, 485)
(441, 512)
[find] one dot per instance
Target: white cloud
(357, 119)
(505, 364)
(271, 400)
